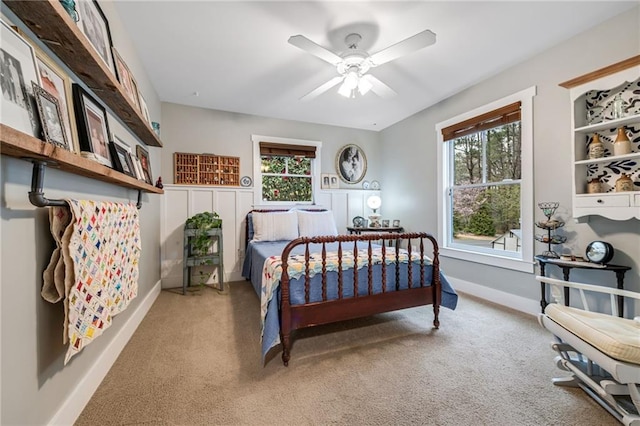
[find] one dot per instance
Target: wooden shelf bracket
(36, 195)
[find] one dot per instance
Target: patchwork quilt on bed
(96, 263)
(272, 270)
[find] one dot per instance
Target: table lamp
(374, 203)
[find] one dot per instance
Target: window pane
(299, 166)
(285, 188)
(503, 153)
(487, 217)
(271, 164)
(467, 152)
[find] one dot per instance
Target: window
(486, 184)
(285, 170)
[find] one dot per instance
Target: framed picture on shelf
(143, 156)
(93, 129)
(50, 117)
(385, 223)
(396, 223)
(351, 163)
(325, 182)
(144, 109)
(54, 80)
(126, 78)
(17, 71)
(95, 27)
(333, 181)
(121, 155)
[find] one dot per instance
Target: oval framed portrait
(351, 163)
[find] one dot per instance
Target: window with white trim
(486, 183)
(285, 172)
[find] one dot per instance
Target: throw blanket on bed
(99, 251)
(272, 270)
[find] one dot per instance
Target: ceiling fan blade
(320, 90)
(379, 88)
(411, 44)
(307, 45)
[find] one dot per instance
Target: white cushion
(275, 226)
(314, 224)
(617, 337)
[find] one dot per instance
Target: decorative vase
(594, 186)
(596, 149)
(622, 144)
(624, 183)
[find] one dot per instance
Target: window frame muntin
(524, 261)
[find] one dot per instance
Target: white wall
(610, 42)
(36, 387)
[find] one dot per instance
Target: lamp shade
(374, 202)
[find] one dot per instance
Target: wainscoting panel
(232, 204)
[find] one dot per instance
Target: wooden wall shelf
(20, 145)
(51, 23)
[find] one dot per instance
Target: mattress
(619, 338)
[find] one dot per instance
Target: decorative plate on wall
(245, 181)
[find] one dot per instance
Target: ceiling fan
(353, 64)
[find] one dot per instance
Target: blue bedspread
(258, 252)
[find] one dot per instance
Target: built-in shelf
(51, 23)
(610, 159)
(609, 124)
(20, 145)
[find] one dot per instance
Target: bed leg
(436, 321)
(285, 350)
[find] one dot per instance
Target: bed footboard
(384, 291)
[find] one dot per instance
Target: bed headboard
(248, 224)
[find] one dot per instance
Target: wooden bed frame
(294, 317)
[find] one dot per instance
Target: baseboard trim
(82, 393)
(512, 301)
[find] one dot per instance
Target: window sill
(489, 259)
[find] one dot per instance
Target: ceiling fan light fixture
(345, 90)
(364, 85)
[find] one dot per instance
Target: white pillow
(314, 224)
(275, 226)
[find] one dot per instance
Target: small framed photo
(50, 117)
(351, 163)
(325, 182)
(396, 223)
(17, 71)
(93, 129)
(143, 156)
(121, 155)
(385, 223)
(95, 27)
(144, 108)
(56, 81)
(126, 79)
(333, 182)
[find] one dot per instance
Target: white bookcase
(596, 92)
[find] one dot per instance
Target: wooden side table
(566, 267)
(191, 259)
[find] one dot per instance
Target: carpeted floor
(195, 359)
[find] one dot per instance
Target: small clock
(358, 221)
(599, 252)
(245, 181)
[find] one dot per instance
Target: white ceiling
(236, 56)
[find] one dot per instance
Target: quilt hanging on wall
(94, 267)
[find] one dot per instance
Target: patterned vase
(596, 149)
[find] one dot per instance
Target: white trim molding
(524, 261)
(508, 300)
